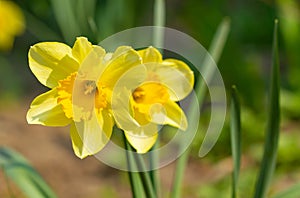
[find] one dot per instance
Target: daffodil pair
(92, 90)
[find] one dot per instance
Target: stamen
(138, 94)
(89, 87)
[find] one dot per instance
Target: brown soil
(49, 150)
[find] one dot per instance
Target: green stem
(179, 173)
(159, 19)
(235, 138)
(145, 177)
(140, 181)
(154, 175)
(135, 182)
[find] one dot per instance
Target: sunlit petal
(122, 95)
(90, 136)
(142, 144)
(150, 55)
(51, 62)
(176, 76)
(123, 59)
(82, 47)
(91, 66)
(169, 113)
(46, 111)
(122, 110)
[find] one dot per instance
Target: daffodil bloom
(81, 80)
(153, 102)
(11, 23)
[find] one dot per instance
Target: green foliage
(272, 132)
(235, 132)
(292, 192)
(200, 89)
(289, 12)
(17, 169)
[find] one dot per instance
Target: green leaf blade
(134, 178)
(235, 134)
(23, 174)
(272, 132)
(66, 19)
(215, 51)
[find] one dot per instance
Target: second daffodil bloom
(153, 102)
(81, 80)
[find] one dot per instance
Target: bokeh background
(245, 62)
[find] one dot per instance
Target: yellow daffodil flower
(81, 80)
(11, 23)
(153, 102)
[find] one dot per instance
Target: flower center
(79, 98)
(149, 94)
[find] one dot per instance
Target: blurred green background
(245, 62)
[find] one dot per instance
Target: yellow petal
(143, 136)
(51, 62)
(150, 55)
(44, 110)
(123, 59)
(168, 113)
(142, 144)
(176, 76)
(81, 48)
(90, 136)
(122, 101)
(91, 66)
(122, 111)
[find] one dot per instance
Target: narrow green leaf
(154, 174)
(145, 176)
(85, 12)
(66, 19)
(200, 89)
(235, 133)
(23, 174)
(291, 192)
(39, 29)
(113, 16)
(215, 52)
(134, 178)
(107, 18)
(159, 20)
(140, 181)
(9, 190)
(272, 132)
(81, 15)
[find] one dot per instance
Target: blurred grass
(236, 138)
(292, 192)
(214, 52)
(17, 169)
